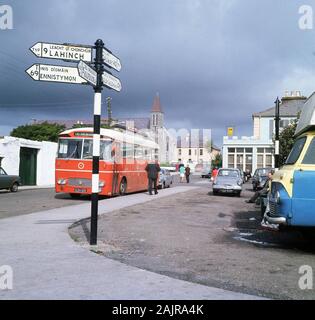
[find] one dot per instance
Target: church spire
(157, 104)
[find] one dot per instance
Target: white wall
(10, 151)
(46, 163)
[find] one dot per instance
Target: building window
(201, 152)
(231, 158)
(189, 152)
(241, 158)
(179, 152)
(264, 157)
(268, 161)
(195, 152)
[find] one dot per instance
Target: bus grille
(77, 182)
(273, 208)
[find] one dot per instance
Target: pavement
(48, 264)
(49, 186)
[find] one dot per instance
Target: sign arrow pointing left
(52, 73)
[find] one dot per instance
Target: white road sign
(111, 81)
(111, 60)
(87, 73)
(62, 51)
(46, 72)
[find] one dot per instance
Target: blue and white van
(292, 195)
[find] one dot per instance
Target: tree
(286, 141)
(217, 161)
(39, 131)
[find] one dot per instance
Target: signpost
(111, 60)
(52, 73)
(62, 51)
(84, 73)
(87, 73)
(111, 82)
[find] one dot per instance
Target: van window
(296, 150)
(310, 154)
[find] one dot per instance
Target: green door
(28, 166)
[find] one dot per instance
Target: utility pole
(109, 110)
(98, 62)
(277, 127)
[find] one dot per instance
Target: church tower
(157, 115)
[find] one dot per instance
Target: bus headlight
(62, 181)
(101, 184)
(277, 197)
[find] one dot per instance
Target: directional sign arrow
(111, 60)
(47, 72)
(111, 81)
(62, 51)
(87, 73)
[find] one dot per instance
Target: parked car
(260, 177)
(206, 172)
(228, 181)
(198, 167)
(165, 179)
(9, 182)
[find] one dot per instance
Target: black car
(9, 182)
(260, 177)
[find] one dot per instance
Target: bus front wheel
(123, 187)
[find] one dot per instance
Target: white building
(196, 148)
(257, 151)
(33, 161)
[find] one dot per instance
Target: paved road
(28, 201)
(201, 238)
(47, 264)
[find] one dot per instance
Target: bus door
(115, 175)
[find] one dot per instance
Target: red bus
(123, 157)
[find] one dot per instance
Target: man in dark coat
(187, 173)
(153, 170)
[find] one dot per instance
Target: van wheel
(15, 187)
(123, 187)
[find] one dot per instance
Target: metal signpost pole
(277, 126)
(82, 74)
(96, 140)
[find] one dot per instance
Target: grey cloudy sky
(214, 62)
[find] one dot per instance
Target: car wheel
(123, 187)
(239, 194)
(163, 186)
(215, 193)
(15, 187)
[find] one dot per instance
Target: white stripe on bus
(110, 171)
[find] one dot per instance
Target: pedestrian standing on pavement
(214, 173)
(182, 173)
(187, 173)
(152, 170)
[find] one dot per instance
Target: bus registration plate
(80, 190)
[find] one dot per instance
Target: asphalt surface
(48, 264)
(195, 236)
(211, 240)
(35, 200)
(29, 201)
